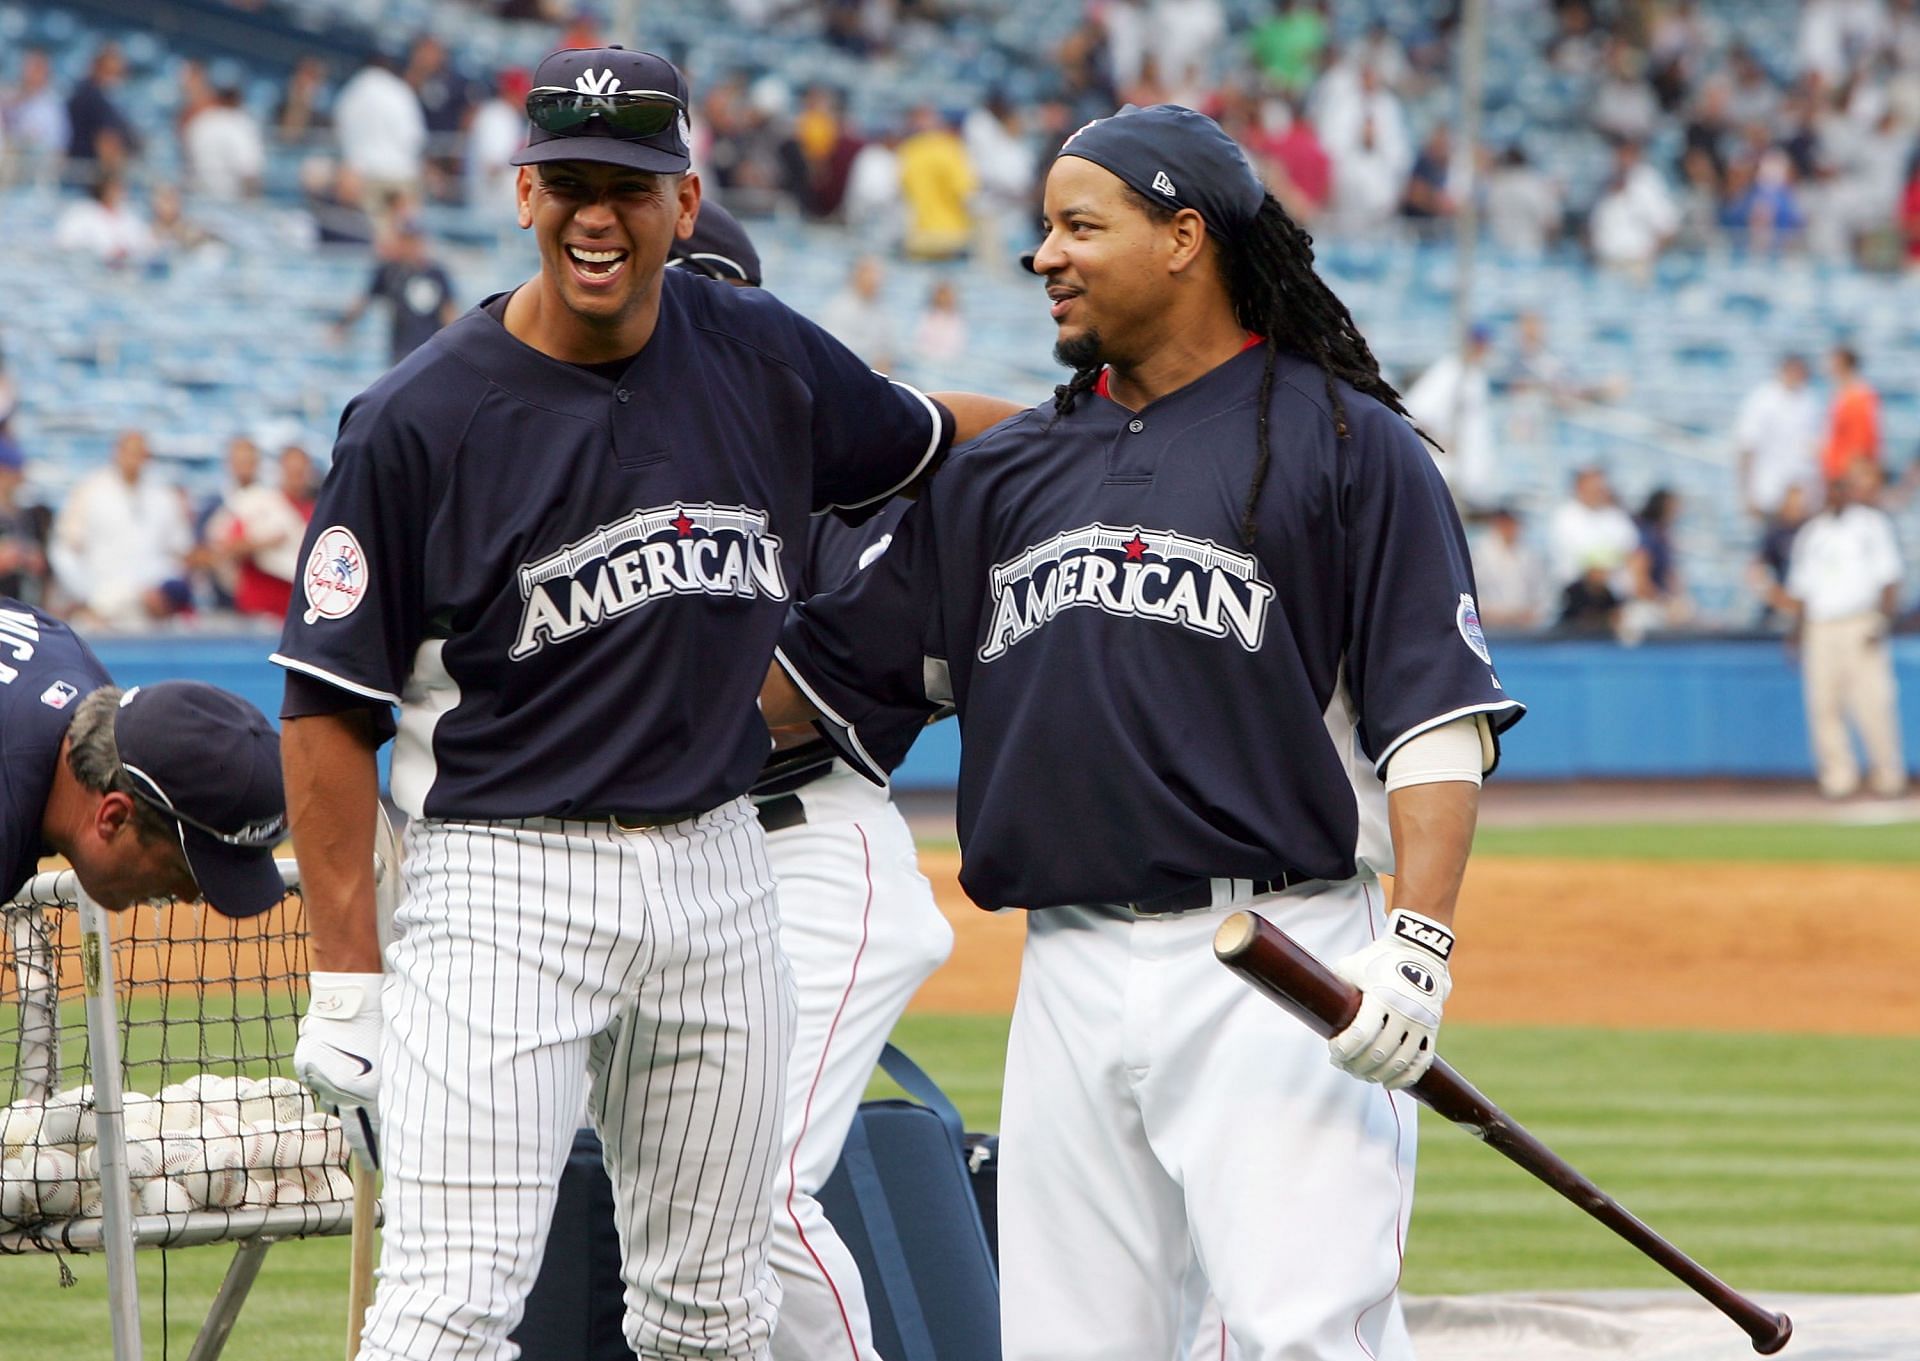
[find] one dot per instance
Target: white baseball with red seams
(859, 923)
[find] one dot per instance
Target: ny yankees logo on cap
(591, 82)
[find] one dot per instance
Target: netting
(219, 1141)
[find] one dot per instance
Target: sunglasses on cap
(627, 113)
(253, 837)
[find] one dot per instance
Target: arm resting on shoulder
(333, 790)
(975, 414)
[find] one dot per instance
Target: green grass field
(1891, 844)
(1782, 1162)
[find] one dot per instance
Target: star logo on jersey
(335, 579)
(651, 554)
(1195, 583)
(58, 695)
(592, 82)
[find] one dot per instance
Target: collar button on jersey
(1136, 425)
(621, 395)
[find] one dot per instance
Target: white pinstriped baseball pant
(536, 958)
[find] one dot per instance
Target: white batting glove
(339, 1053)
(1403, 982)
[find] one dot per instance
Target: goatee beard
(1080, 352)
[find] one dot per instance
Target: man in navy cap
(169, 790)
(719, 248)
(1209, 626)
(555, 537)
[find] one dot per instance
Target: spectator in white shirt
(1591, 532)
(1635, 218)
(1511, 575)
(1777, 439)
(226, 151)
(382, 129)
(1453, 402)
(857, 316)
(105, 226)
(1368, 180)
(121, 540)
(1844, 581)
(1523, 205)
(35, 116)
(499, 129)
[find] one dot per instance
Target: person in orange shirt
(1853, 425)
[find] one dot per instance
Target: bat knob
(1236, 933)
(1778, 1338)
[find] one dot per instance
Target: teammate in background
(414, 286)
(1843, 588)
(553, 537)
(162, 790)
(1193, 616)
(857, 921)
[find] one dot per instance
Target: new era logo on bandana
(592, 82)
(1134, 573)
(1163, 185)
(677, 550)
(335, 579)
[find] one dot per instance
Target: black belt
(1198, 896)
(780, 812)
(644, 822)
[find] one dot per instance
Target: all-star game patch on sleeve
(872, 436)
(869, 655)
(1416, 655)
(356, 618)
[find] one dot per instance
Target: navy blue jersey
(835, 550)
(571, 583)
(45, 671)
(1144, 702)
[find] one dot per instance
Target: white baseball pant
(538, 958)
(1166, 1130)
(859, 924)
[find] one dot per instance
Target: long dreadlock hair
(1276, 294)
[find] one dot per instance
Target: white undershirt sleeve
(1459, 750)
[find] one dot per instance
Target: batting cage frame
(115, 965)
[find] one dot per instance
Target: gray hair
(94, 758)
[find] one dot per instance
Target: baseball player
(1209, 626)
(169, 790)
(553, 536)
(858, 922)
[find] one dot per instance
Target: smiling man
(1209, 627)
(553, 538)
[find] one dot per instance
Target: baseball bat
(1277, 965)
(366, 1204)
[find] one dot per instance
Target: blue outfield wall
(1664, 710)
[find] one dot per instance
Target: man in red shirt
(1853, 428)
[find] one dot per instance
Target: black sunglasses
(255, 836)
(627, 113)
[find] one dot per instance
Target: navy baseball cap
(210, 761)
(610, 105)
(719, 248)
(1173, 155)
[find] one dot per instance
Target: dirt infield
(1695, 946)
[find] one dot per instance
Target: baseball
(291, 1101)
(179, 1108)
(328, 1183)
(289, 1188)
(20, 1123)
(60, 1118)
(162, 1197)
(56, 1176)
(139, 1113)
(213, 1176)
(19, 1197)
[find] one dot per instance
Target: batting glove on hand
(338, 1052)
(1403, 982)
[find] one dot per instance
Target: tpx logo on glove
(1425, 932)
(1419, 977)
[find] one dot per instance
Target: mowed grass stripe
(1890, 844)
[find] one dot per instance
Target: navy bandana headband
(1175, 156)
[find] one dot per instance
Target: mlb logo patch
(58, 695)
